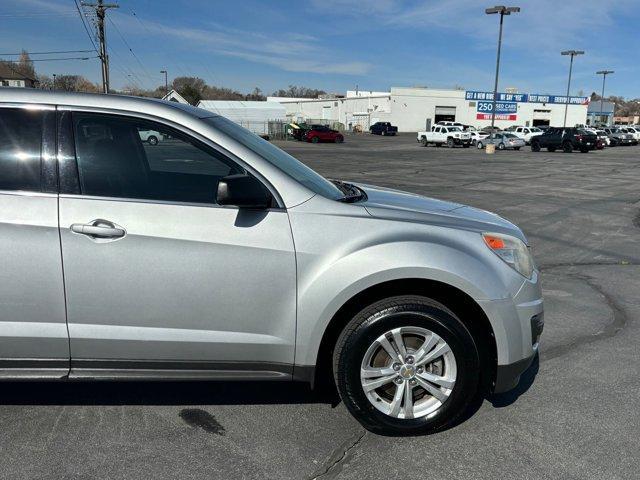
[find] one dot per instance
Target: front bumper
(517, 323)
(462, 141)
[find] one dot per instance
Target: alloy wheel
(408, 372)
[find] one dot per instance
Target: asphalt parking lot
(573, 416)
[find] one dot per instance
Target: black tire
(479, 145)
(567, 147)
(535, 147)
(339, 139)
(152, 140)
(315, 139)
(501, 146)
(450, 143)
(402, 311)
(516, 148)
(423, 141)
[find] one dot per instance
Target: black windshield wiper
(351, 192)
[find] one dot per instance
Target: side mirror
(244, 191)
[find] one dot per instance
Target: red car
(322, 133)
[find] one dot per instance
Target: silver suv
(215, 255)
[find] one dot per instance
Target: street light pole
(166, 82)
(502, 10)
(604, 74)
(54, 82)
(573, 53)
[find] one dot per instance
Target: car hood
(389, 204)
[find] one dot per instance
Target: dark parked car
(322, 133)
(383, 128)
(568, 139)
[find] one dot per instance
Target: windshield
(278, 158)
(454, 129)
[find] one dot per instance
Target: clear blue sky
(336, 44)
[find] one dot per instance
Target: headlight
(512, 251)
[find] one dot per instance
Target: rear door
(158, 276)
(33, 329)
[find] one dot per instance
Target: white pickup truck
(445, 135)
(526, 133)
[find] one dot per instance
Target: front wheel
(315, 140)
(501, 146)
(535, 147)
(567, 147)
(406, 365)
(339, 139)
(450, 142)
(480, 145)
(153, 140)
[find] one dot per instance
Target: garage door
(445, 114)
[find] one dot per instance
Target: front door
(157, 275)
(33, 329)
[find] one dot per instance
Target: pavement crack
(610, 330)
(336, 461)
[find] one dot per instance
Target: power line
(85, 25)
(54, 59)
(58, 52)
(124, 40)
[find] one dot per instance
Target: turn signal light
(494, 243)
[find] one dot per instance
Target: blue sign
(501, 107)
(524, 98)
(535, 98)
(502, 97)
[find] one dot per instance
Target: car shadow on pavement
(162, 393)
(501, 400)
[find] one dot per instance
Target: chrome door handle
(98, 229)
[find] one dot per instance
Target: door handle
(98, 229)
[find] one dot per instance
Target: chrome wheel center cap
(407, 371)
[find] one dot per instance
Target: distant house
(10, 76)
(174, 96)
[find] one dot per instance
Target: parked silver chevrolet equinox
(212, 254)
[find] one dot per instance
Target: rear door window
(21, 149)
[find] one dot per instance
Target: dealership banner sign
(524, 98)
(504, 110)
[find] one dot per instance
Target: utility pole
(572, 53)
(166, 82)
(101, 11)
(604, 74)
(54, 82)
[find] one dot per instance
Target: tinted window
(20, 149)
(131, 158)
(277, 157)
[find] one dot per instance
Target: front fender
(324, 287)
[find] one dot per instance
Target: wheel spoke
(377, 383)
(432, 389)
(438, 380)
(396, 403)
(372, 372)
(397, 338)
(407, 409)
(384, 343)
(440, 350)
(428, 344)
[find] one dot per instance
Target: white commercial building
(255, 116)
(413, 109)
